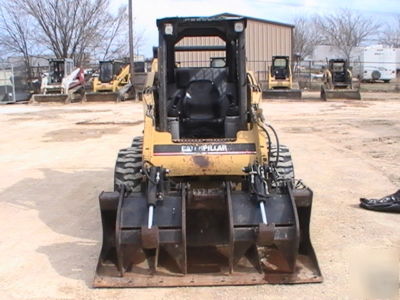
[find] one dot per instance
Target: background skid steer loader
(204, 197)
(280, 80)
(337, 81)
(63, 83)
(113, 82)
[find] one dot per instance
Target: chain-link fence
(14, 86)
(307, 75)
(372, 76)
(7, 83)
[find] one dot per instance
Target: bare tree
(346, 30)
(391, 35)
(112, 40)
(305, 36)
(15, 34)
(115, 35)
(73, 28)
(65, 24)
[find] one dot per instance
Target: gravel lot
(56, 159)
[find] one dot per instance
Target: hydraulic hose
(146, 173)
(277, 143)
(262, 125)
(269, 139)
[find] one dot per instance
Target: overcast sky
(147, 11)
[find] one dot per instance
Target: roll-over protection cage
(230, 30)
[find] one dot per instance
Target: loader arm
(122, 78)
(73, 80)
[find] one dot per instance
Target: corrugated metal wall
(198, 58)
(263, 40)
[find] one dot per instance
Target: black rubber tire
(375, 75)
(127, 168)
(137, 142)
(323, 94)
(285, 168)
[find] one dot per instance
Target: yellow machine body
(218, 161)
(118, 82)
(280, 80)
(274, 83)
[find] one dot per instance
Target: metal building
(264, 39)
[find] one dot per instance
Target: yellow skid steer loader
(112, 83)
(280, 80)
(337, 81)
(207, 196)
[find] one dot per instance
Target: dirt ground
(56, 159)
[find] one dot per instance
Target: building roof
(254, 19)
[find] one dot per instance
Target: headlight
(169, 29)
(9, 94)
(239, 27)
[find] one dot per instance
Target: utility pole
(131, 50)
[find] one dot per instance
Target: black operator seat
(201, 103)
(201, 100)
(339, 72)
(280, 73)
(280, 68)
(339, 77)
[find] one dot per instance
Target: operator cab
(338, 69)
(280, 67)
(59, 68)
(206, 98)
(109, 69)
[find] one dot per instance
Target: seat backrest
(339, 77)
(280, 73)
(216, 75)
(201, 101)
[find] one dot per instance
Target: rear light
(239, 27)
(168, 29)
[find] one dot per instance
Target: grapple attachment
(206, 236)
